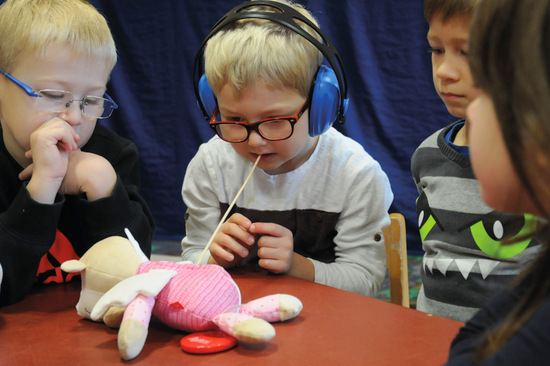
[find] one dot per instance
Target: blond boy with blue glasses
(66, 181)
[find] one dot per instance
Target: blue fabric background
(393, 105)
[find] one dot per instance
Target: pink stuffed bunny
(187, 297)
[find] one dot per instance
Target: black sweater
(28, 228)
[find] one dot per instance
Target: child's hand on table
(232, 242)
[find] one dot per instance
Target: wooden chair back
(396, 263)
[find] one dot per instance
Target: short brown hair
(448, 9)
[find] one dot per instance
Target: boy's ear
(538, 174)
(206, 97)
(541, 162)
(325, 102)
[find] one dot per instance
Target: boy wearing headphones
(316, 207)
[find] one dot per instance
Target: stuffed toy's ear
(72, 266)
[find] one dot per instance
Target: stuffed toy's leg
(244, 327)
(113, 316)
(274, 308)
(134, 327)
(251, 323)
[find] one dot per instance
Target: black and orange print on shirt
(49, 268)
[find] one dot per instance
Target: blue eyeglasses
(59, 101)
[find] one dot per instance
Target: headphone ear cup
(206, 97)
(325, 100)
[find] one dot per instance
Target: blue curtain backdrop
(393, 105)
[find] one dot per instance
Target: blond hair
(253, 50)
(29, 27)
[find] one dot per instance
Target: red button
(208, 342)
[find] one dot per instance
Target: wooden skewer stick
(229, 209)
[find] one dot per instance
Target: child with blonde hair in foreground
(66, 181)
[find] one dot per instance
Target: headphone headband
(285, 17)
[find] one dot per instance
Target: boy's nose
(255, 139)
(73, 114)
(447, 69)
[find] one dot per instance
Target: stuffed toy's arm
(138, 293)
(148, 284)
(134, 327)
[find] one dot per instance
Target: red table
(335, 328)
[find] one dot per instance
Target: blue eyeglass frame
(30, 91)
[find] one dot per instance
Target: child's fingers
(75, 136)
(270, 229)
(68, 139)
(276, 252)
(273, 265)
(234, 239)
(274, 248)
(238, 233)
(219, 252)
(26, 173)
(240, 220)
(57, 132)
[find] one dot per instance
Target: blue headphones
(328, 97)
